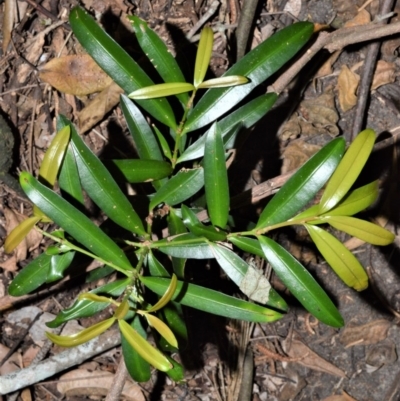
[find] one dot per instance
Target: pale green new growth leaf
(166, 296)
(366, 231)
(223, 82)
(203, 55)
(342, 261)
(161, 328)
(19, 233)
(161, 90)
(348, 170)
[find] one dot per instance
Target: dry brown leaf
(8, 23)
(11, 364)
(95, 110)
(385, 73)
(347, 86)
(326, 68)
(296, 154)
(308, 358)
(343, 397)
(81, 382)
(362, 18)
(366, 334)
(75, 74)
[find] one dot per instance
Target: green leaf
(86, 308)
(187, 246)
(257, 66)
(138, 368)
(139, 170)
(300, 283)
(31, 276)
(150, 354)
(73, 221)
(102, 188)
(203, 55)
(249, 245)
(179, 188)
(177, 372)
(158, 325)
(342, 261)
(155, 267)
(18, 234)
(212, 301)
(245, 116)
(173, 316)
(223, 82)
(356, 201)
(175, 227)
(216, 178)
(117, 63)
(161, 90)
(195, 227)
(348, 170)
(366, 231)
(163, 143)
(58, 264)
(98, 273)
(158, 54)
(303, 185)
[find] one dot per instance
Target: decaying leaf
(296, 154)
(8, 22)
(95, 110)
(370, 333)
(385, 73)
(363, 17)
(347, 86)
(81, 382)
(342, 397)
(255, 285)
(295, 348)
(75, 74)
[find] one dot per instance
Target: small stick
(206, 16)
(118, 382)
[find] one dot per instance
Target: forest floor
(296, 358)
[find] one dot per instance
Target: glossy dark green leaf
(300, 283)
(86, 308)
(138, 368)
(73, 221)
(97, 274)
(179, 188)
(156, 269)
(31, 277)
(175, 227)
(212, 301)
(216, 178)
(58, 264)
(117, 63)
(356, 201)
(245, 116)
(102, 188)
(173, 316)
(177, 372)
(158, 54)
(364, 230)
(187, 246)
(139, 170)
(303, 185)
(197, 228)
(348, 170)
(163, 143)
(257, 66)
(249, 245)
(342, 261)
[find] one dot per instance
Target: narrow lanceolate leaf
(161, 328)
(175, 227)
(197, 228)
(155, 267)
(366, 231)
(342, 261)
(300, 283)
(117, 63)
(102, 188)
(180, 187)
(249, 245)
(139, 170)
(138, 368)
(150, 354)
(245, 116)
(31, 276)
(161, 90)
(158, 54)
(166, 296)
(17, 235)
(203, 55)
(223, 82)
(73, 221)
(83, 336)
(53, 157)
(356, 201)
(303, 185)
(187, 246)
(163, 143)
(87, 308)
(348, 170)
(216, 178)
(257, 66)
(212, 301)
(58, 265)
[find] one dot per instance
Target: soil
(296, 358)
